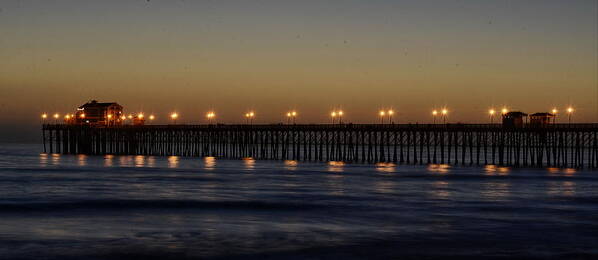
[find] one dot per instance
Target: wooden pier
(559, 145)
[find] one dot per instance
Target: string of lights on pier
(336, 115)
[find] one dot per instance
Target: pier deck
(558, 145)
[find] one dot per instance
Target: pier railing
(556, 145)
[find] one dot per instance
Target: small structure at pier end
(513, 119)
(540, 119)
(96, 113)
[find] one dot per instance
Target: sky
(310, 56)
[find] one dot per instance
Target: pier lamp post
(504, 111)
(434, 114)
(390, 113)
(249, 117)
(152, 117)
(570, 111)
(44, 117)
(340, 116)
(174, 116)
(288, 118)
(444, 115)
(109, 118)
(491, 112)
(333, 115)
(554, 112)
(56, 116)
(382, 113)
(211, 116)
(294, 115)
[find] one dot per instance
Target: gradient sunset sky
(272, 56)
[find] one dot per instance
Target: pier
(557, 145)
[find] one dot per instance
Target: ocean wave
(154, 204)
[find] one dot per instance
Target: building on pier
(514, 119)
(540, 119)
(99, 113)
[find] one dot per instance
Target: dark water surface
(148, 207)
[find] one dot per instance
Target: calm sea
(148, 207)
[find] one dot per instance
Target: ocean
(149, 207)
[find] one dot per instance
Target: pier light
(340, 113)
(249, 117)
(570, 111)
(382, 114)
(291, 115)
(123, 118)
(491, 112)
(56, 116)
(174, 116)
(210, 116)
(444, 114)
(554, 112)
(434, 114)
(390, 113)
(44, 116)
(130, 116)
(152, 117)
(109, 116)
(82, 115)
(333, 115)
(140, 115)
(504, 111)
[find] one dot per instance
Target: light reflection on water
(494, 191)
(440, 190)
(439, 168)
(82, 160)
(55, 158)
(290, 165)
(493, 170)
(151, 161)
(569, 172)
(124, 160)
(140, 161)
(386, 167)
(564, 188)
(209, 163)
(249, 163)
(173, 161)
(108, 160)
(43, 159)
(336, 166)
